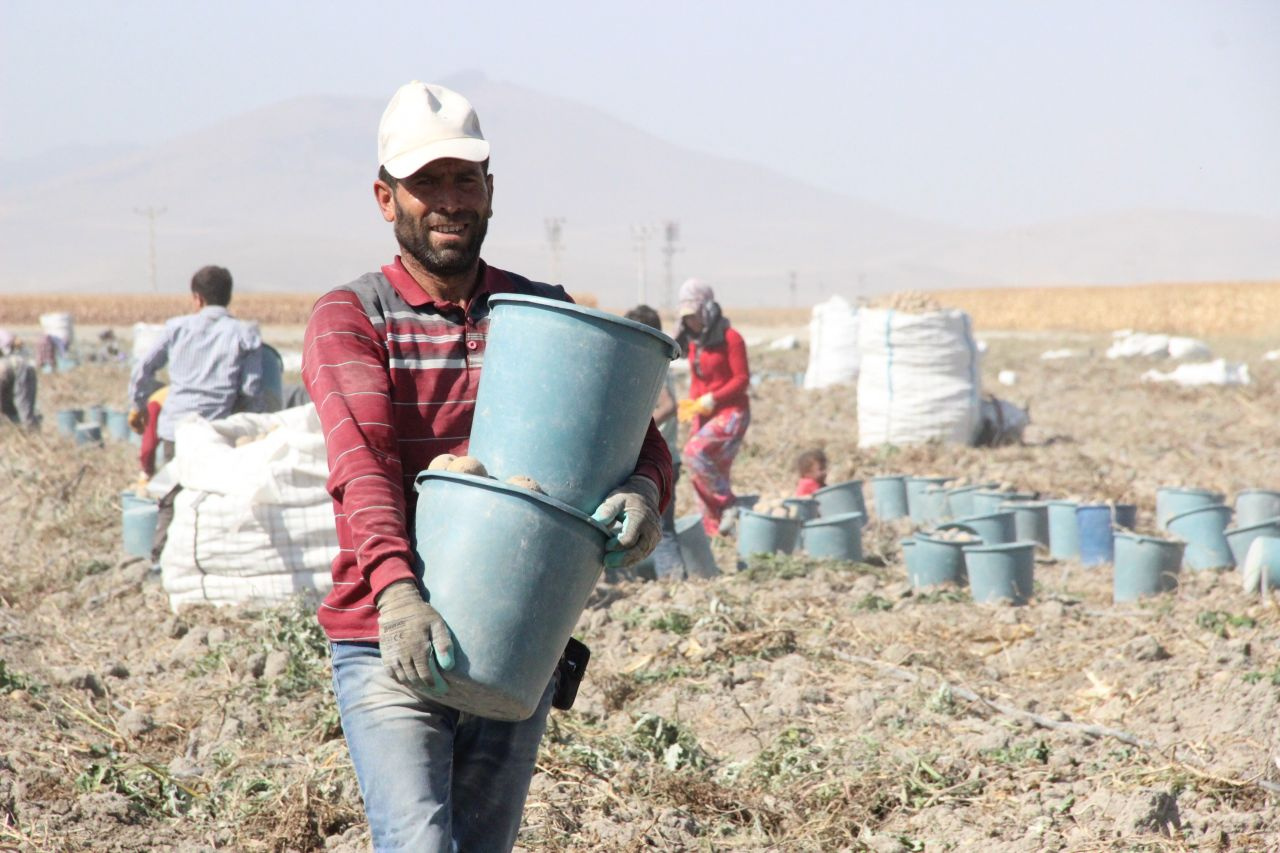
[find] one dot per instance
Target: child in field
(812, 468)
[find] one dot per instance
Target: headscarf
(697, 297)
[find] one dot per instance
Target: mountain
(281, 195)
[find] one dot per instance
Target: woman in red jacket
(717, 404)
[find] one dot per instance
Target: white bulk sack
(918, 379)
(833, 344)
(254, 522)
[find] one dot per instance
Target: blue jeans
(433, 778)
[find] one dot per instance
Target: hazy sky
(977, 113)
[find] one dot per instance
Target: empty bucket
(1064, 535)
(510, 571)
(936, 561)
(1001, 572)
(835, 537)
(994, 528)
(1240, 538)
(766, 534)
(1256, 505)
(1144, 566)
(890, 495)
(88, 434)
(138, 521)
(1174, 500)
(841, 498)
(915, 495)
(960, 499)
(1096, 538)
(802, 508)
(1203, 529)
(566, 396)
(695, 547)
(118, 425)
(1030, 521)
(68, 420)
(1124, 515)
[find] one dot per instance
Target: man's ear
(385, 196)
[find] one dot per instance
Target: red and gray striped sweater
(394, 376)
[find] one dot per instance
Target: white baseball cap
(425, 122)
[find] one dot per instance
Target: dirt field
(799, 705)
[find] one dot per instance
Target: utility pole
(152, 213)
(670, 236)
(555, 230)
(792, 286)
(640, 240)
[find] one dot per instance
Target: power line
(670, 236)
(555, 234)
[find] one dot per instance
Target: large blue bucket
(1204, 530)
(890, 495)
(1240, 538)
(1256, 505)
(1173, 500)
(138, 527)
(766, 534)
(936, 561)
(68, 420)
(272, 379)
(510, 572)
(1144, 566)
(915, 486)
(1064, 535)
(695, 547)
(1097, 539)
(835, 537)
(995, 528)
(118, 425)
(1001, 572)
(960, 499)
(566, 396)
(841, 498)
(1030, 521)
(986, 502)
(804, 509)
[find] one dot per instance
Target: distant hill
(281, 195)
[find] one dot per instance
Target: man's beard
(415, 241)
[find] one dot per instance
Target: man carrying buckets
(393, 361)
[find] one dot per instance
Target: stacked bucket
(565, 399)
(827, 525)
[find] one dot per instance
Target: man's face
(441, 214)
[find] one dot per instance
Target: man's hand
(409, 629)
(635, 502)
(138, 420)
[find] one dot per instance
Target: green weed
(1218, 621)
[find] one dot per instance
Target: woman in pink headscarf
(717, 406)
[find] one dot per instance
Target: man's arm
(142, 381)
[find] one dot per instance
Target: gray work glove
(635, 502)
(409, 630)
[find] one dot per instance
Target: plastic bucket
(746, 501)
(1144, 566)
(1172, 500)
(1030, 521)
(936, 561)
(766, 534)
(1096, 538)
(1001, 572)
(566, 396)
(68, 420)
(118, 425)
(88, 434)
(996, 528)
(1064, 535)
(272, 379)
(915, 487)
(95, 415)
(909, 557)
(139, 527)
(934, 506)
(510, 571)
(1240, 538)
(890, 495)
(804, 509)
(1204, 530)
(1124, 515)
(695, 547)
(129, 499)
(841, 498)
(835, 537)
(1256, 505)
(960, 499)
(984, 502)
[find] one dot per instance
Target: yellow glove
(690, 409)
(137, 420)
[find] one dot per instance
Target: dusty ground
(795, 706)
